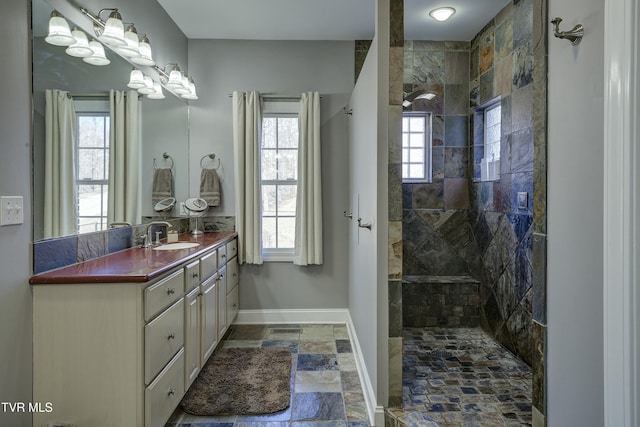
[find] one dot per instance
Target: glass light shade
(131, 38)
(98, 57)
(80, 48)
(59, 32)
(182, 87)
(148, 86)
(175, 79)
(144, 53)
(442, 13)
(136, 79)
(192, 91)
(113, 33)
(157, 92)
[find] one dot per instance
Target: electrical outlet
(11, 210)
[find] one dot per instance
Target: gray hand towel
(162, 185)
(210, 187)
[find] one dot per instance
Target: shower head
(409, 98)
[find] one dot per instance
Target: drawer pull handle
(194, 275)
(224, 256)
(200, 294)
(171, 291)
(171, 336)
(172, 391)
(235, 305)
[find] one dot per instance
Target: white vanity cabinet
(123, 354)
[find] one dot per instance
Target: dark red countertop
(132, 265)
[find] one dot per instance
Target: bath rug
(241, 381)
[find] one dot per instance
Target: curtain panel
(247, 135)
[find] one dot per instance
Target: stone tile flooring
(460, 377)
(326, 389)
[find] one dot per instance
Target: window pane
(286, 232)
(405, 139)
(269, 233)
(405, 124)
(416, 124)
(493, 133)
(268, 168)
(269, 132)
(287, 132)
(492, 116)
(269, 206)
(405, 171)
(417, 155)
(89, 200)
(91, 164)
(287, 200)
(405, 155)
(91, 131)
(416, 171)
(416, 140)
(287, 164)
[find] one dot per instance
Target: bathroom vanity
(117, 340)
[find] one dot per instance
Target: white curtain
(124, 157)
(247, 134)
(59, 170)
(308, 238)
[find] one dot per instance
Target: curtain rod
(97, 95)
(268, 97)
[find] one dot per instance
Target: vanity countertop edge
(133, 265)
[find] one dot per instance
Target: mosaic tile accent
(326, 389)
(461, 377)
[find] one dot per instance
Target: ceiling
(322, 19)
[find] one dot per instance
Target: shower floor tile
(460, 377)
(326, 389)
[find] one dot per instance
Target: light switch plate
(11, 210)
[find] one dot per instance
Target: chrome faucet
(148, 238)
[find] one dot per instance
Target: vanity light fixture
(157, 92)
(110, 32)
(59, 32)
(136, 79)
(175, 78)
(97, 57)
(442, 13)
(132, 47)
(191, 95)
(144, 56)
(148, 86)
(80, 48)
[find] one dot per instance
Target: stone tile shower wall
(457, 225)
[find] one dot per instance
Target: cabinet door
(222, 301)
(209, 318)
(192, 336)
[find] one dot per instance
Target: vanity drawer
(208, 265)
(232, 305)
(162, 294)
(222, 256)
(163, 338)
(232, 248)
(232, 273)
(165, 393)
(192, 275)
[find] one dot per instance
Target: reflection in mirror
(162, 126)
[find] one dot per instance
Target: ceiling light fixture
(442, 13)
(59, 32)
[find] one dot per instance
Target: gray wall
(15, 240)
(285, 68)
(575, 220)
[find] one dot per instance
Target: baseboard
(249, 317)
(339, 316)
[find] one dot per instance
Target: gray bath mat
(241, 381)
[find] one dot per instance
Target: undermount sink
(175, 246)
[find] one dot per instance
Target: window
(490, 164)
(92, 167)
(279, 174)
(416, 147)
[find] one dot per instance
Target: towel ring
(212, 156)
(165, 156)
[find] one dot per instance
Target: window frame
(491, 105)
(92, 108)
(278, 110)
(427, 146)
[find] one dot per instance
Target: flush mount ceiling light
(442, 13)
(59, 32)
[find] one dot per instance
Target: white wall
(220, 67)
(15, 240)
(575, 219)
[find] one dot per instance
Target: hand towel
(162, 185)
(210, 187)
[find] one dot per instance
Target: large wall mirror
(163, 127)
